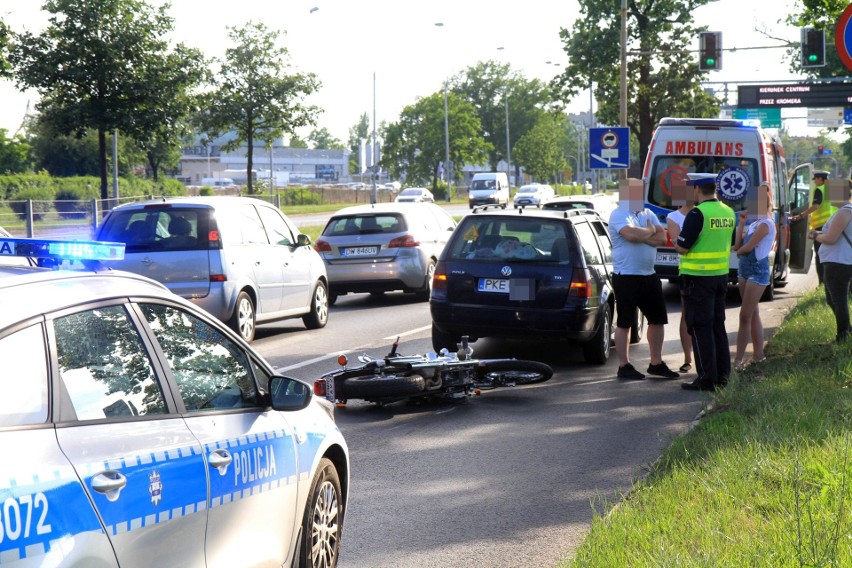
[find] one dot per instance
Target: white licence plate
(499, 285)
(360, 251)
(668, 258)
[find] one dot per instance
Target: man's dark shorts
(643, 292)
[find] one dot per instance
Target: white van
(743, 155)
(489, 188)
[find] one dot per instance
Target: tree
(95, 67)
(5, 43)
(296, 142)
(163, 119)
(322, 139)
(663, 78)
(490, 86)
(415, 146)
(14, 154)
(541, 151)
(254, 96)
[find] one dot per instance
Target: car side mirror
(288, 394)
(303, 240)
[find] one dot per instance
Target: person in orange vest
(820, 210)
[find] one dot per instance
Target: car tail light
(439, 279)
(218, 278)
(404, 241)
(319, 387)
(322, 246)
(581, 284)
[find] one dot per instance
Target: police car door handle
(220, 459)
(301, 437)
(109, 484)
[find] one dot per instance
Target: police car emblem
(733, 183)
(155, 488)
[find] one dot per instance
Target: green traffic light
(710, 62)
(812, 58)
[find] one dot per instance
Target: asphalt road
(509, 478)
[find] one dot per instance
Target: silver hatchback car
(239, 258)
(383, 247)
(138, 430)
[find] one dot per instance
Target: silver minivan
(239, 258)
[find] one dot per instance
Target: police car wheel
(323, 519)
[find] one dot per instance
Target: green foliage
(254, 97)
(415, 146)
(493, 88)
(42, 201)
(13, 185)
(322, 139)
(14, 154)
(101, 66)
(299, 195)
(540, 150)
(663, 81)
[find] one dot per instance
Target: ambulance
(742, 155)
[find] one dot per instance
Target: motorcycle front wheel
(371, 386)
(519, 372)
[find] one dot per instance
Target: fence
(78, 219)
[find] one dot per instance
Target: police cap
(821, 173)
(697, 180)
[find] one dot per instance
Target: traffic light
(813, 47)
(710, 51)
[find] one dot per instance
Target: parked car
(533, 194)
(239, 258)
(415, 195)
(393, 185)
(140, 431)
(600, 202)
(383, 247)
(527, 275)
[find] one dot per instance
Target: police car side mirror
(303, 240)
(288, 394)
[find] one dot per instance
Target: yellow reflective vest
(710, 254)
(823, 212)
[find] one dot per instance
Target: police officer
(705, 247)
(820, 210)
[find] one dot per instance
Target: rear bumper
(577, 323)
(403, 273)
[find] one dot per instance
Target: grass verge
(765, 477)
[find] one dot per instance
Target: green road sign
(768, 117)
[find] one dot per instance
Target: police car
(137, 430)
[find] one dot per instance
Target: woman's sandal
(685, 368)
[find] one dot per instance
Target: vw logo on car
(506, 271)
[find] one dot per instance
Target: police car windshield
(667, 168)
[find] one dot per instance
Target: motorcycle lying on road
(432, 375)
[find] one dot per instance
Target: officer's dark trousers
(819, 270)
(704, 303)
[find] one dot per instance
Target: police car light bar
(45, 249)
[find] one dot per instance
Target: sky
(390, 52)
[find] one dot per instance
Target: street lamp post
(508, 147)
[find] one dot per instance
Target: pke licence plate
(498, 285)
(360, 251)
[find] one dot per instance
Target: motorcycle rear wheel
(376, 387)
(516, 371)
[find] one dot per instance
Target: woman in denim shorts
(753, 244)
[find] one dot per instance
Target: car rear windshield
(568, 205)
(520, 239)
(371, 224)
(152, 230)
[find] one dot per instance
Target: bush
(42, 199)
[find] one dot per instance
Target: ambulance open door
(800, 193)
